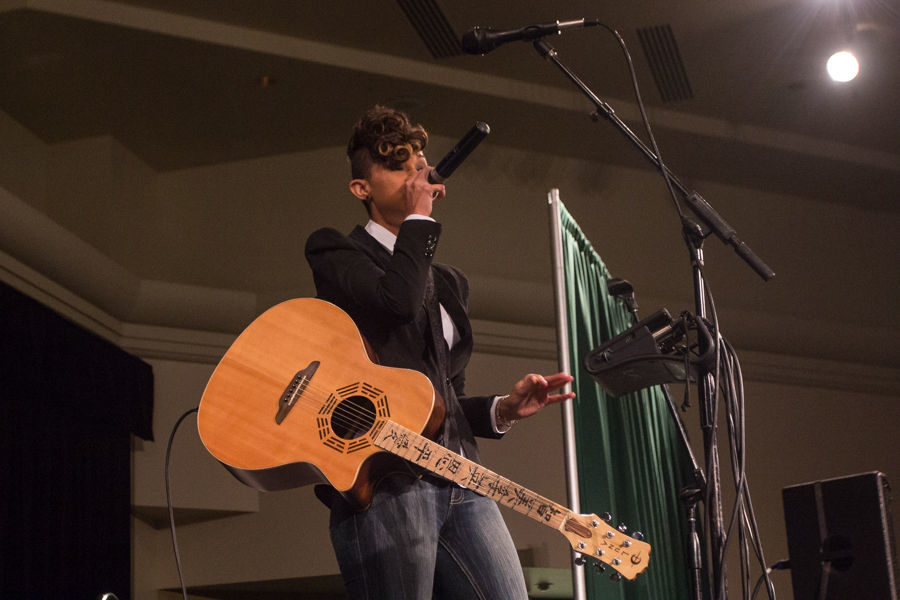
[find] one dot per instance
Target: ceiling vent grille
(662, 54)
(429, 21)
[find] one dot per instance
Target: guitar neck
(417, 449)
(587, 534)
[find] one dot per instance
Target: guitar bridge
(294, 390)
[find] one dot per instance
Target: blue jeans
(424, 538)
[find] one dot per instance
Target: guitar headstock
(593, 537)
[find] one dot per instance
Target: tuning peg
(579, 561)
(622, 527)
(599, 567)
(606, 517)
(637, 535)
(615, 577)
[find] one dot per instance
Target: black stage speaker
(840, 538)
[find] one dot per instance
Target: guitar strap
(456, 434)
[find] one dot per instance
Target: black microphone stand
(694, 233)
(693, 491)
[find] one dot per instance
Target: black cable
(749, 530)
(733, 392)
(713, 420)
(778, 566)
(736, 472)
(752, 524)
(646, 121)
(169, 502)
(735, 422)
(758, 583)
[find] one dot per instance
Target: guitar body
(297, 400)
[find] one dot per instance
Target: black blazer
(384, 295)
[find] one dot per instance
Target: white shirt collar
(381, 235)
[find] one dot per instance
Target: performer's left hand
(531, 394)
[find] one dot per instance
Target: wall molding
(492, 337)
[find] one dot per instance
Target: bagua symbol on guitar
(297, 399)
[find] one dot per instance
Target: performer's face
(390, 189)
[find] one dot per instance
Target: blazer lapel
(448, 294)
(371, 246)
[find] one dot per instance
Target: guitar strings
(353, 415)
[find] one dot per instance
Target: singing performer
(422, 536)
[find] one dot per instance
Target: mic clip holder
(655, 350)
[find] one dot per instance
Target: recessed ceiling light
(842, 66)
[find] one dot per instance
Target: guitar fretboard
(430, 455)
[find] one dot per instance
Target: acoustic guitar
(297, 400)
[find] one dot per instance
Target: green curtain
(630, 460)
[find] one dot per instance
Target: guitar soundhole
(353, 417)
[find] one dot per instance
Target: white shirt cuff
(496, 424)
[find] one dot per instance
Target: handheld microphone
(459, 153)
(483, 40)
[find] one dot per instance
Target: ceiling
(179, 82)
(185, 84)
